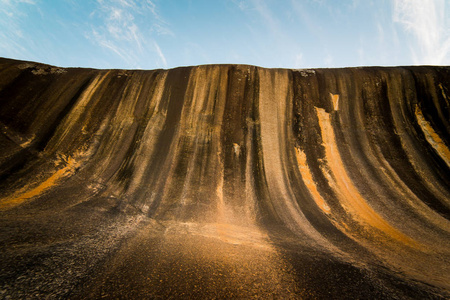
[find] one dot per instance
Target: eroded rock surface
(224, 181)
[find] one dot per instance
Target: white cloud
(428, 21)
(266, 14)
(162, 30)
(108, 44)
(270, 31)
(160, 54)
(12, 39)
(126, 28)
(241, 4)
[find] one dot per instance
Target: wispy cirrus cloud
(428, 21)
(127, 29)
(12, 36)
(241, 4)
(160, 54)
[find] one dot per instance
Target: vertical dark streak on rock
(142, 115)
(232, 134)
(391, 147)
(15, 163)
(266, 213)
(173, 99)
(430, 85)
(435, 109)
(47, 133)
(22, 96)
(315, 216)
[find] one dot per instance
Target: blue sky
(149, 34)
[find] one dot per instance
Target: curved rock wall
(334, 182)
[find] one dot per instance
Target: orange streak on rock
(309, 181)
(24, 194)
(335, 100)
(432, 137)
(347, 193)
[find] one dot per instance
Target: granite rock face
(224, 181)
